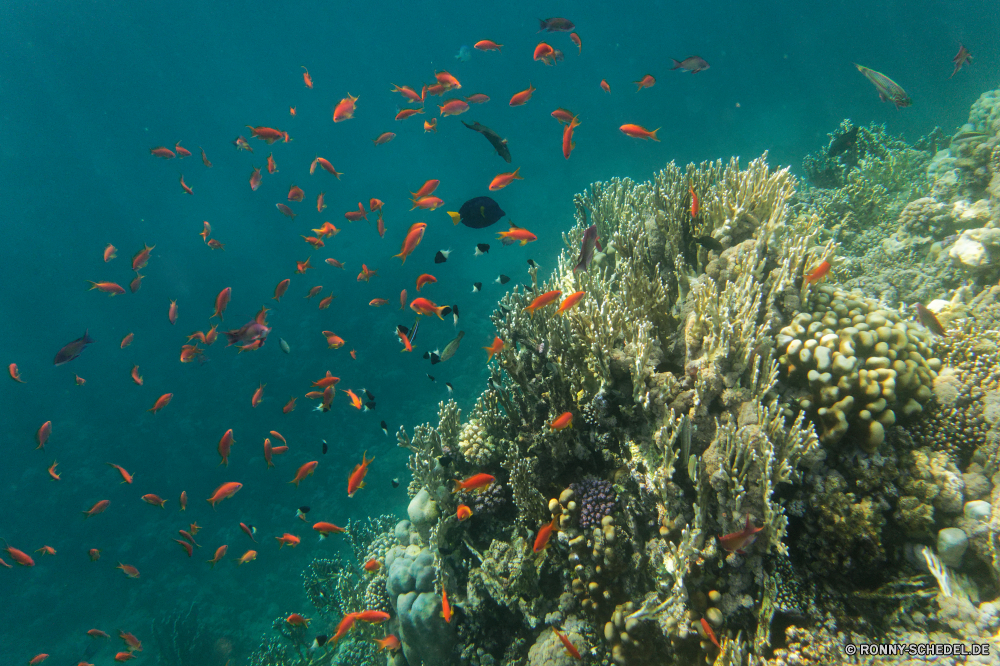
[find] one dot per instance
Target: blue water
(88, 88)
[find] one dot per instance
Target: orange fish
(695, 204)
(487, 45)
(333, 341)
(255, 179)
(248, 556)
(355, 400)
(206, 230)
(222, 302)
(137, 281)
(605, 87)
(19, 556)
(325, 303)
(645, 82)
(544, 52)
(280, 289)
(384, 137)
(562, 115)
(212, 243)
(184, 500)
(204, 158)
(356, 480)
(162, 151)
(272, 167)
(306, 78)
(52, 471)
(125, 656)
(289, 406)
(373, 616)
(225, 491)
(402, 299)
(542, 538)
(390, 642)
(447, 80)
(295, 193)
(739, 541)
(345, 625)
(453, 107)
(522, 97)
(366, 273)
(172, 312)
(220, 552)
(570, 301)
(314, 291)
(302, 266)
(474, 482)
(543, 300)
(181, 151)
(326, 529)
(328, 380)
(380, 225)
(405, 339)
(372, 565)
(575, 38)
(375, 205)
(136, 377)
(426, 307)
(445, 606)
(819, 272)
(267, 134)
(305, 470)
(377, 302)
(98, 507)
(573, 652)
(478, 98)
(109, 288)
(161, 402)
(225, 445)
(110, 252)
(502, 180)
(425, 278)
(126, 477)
(516, 233)
(426, 189)
(344, 109)
(710, 633)
(37, 659)
(463, 512)
(141, 258)
(326, 165)
(563, 421)
(42, 434)
(406, 113)
(155, 500)
(359, 214)
(97, 633)
(407, 92)
(495, 348)
(428, 203)
(15, 374)
(291, 541)
(354, 355)
(639, 132)
(320, 203)
(185, 187)
(326, 230)
(286, 211)
(95, 555)
(46, 550)
(568, 144)
(129, 571)
(241, 144)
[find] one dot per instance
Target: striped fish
(888, 90)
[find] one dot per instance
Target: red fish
(306, 78)
(220, 552)
(495, 348)
(356, 480)
(305, 470)
(248, 556)
(141, 258)
(326, 230)
(109, 288)
(155, 500)
(445, 606)
(372, 565)
(137, 281)
(325, 303)
(573, 652)
(487, 45)
(241, 144)
(326, 529)
(522, 97)
(425, 278)
(285, 210)
(346, 624)
(289, 540)
(563, 421)
(575, 38)
(645, 82)
(380, 225)
(426, 307)
(126, 477)
(110, 252)
(474, 482)
(542, 538)
(280, 289)
(326, 166)
(161, 402)
(225, 491)
(695, 202)
(255, 179)
(928, 319)
(162, 151)
(15, 374)
(172, 312)
(183, 500)
(463, 512)
(543, 52)
(426, 189)
(344, 109)
(297, 620)
(384, 137)
(477, 98)
(42, 435)
(543, 300)
(222, 302)
(447, 80)
(407, 92)
(377, 302)
(502, 180)
(271, 166)
(302, 266)
(225, 444)
(185, 187)
(605, 87)
(963, 57)
(295, 193)
(94, 555)
(373, 616)
(355, 401)
(738, 541)
(453, 107)
(99, 507)
(366, 273)
(710, 633)
(19, 556)
(639, 132)
(516, 233)
(412, 240)
(819, 272)
(406, 113)
(289, 406)
(52, 471)
(570, 301)
(428, 203)
(355, 215)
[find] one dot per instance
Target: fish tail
(677, 65)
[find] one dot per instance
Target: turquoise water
(87, 90)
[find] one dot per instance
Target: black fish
(531, 262)
(450, 388)
(319, 640)
(446, 311)
(445, 460)
(73, 349)
(503, 279)
(482, 248)
(928, 319)
(843, 143)
(431, 378)
(454, 313)
(435, 359)
(370, 405)
(476, 286)
(368, 394)
(427, 355)
(478, 213)
(499, 144)
(385, 428)
(304, 509)
(441, 256)
(325, 447)
(395, 483)
(709, 243)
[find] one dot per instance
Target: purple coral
(595, 499)
(491, 500)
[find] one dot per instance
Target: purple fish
(73, 349)
(928, 319)
(590, 241)
(888, 90)
(556, 25)
(693, 64)
(250, 332)
(963, 57)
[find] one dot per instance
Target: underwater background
(87, 89)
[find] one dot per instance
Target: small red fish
(819, 272)
(297, 620)
(575, 38)
(695, 203)
(326, 165)
(295, 193)
(430, 125)
(738, 541)
(390, 642)
(384, 137)
(344, 109)
(487, 45)
(639, 132)
(129, 571)
(204, 158)
(477, 98)
(109, 288)
(356, 480)
(495, 348)
(42, 434)
(346, 624)
(225, 491)
(542, 538)
(463, 513)
(570, 301)
(326, 529)
(516, 233)
(504, 179)
(522, 97)
(110, 252)
(186, 188)
(306, 78)
(285, 210)
(355, 215)
(220, 552)
(543, 300)
(573, 652)
(928, 319)
(372, 565)
(453, 107)
(305, 470)
(163, 152)
(474, 482)
(645, 82)
(255, 179)
(445, 606)
(605, 87)
(710, 633)
(563, 421)
(413, 237)
(373, 616)
(155, 500)
(425, 278)
(15, 374)
(280, 289)
(172, 312)
(98, 507)
(181, 151)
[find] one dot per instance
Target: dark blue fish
(480, 212)
(590, 241)
(73, 349)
